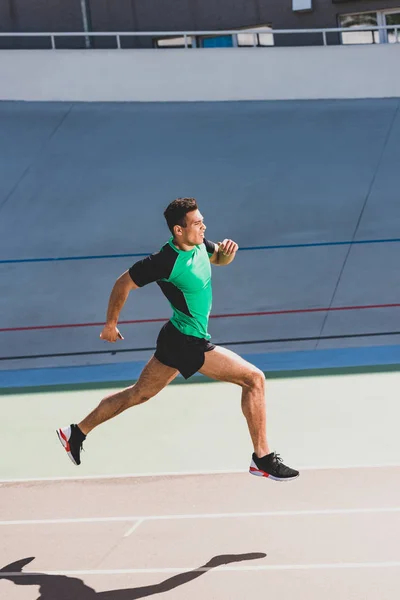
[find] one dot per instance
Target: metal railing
(188, 35)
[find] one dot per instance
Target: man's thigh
(154, 377)
(224, 365)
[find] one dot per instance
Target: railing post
(185, 40)
(53, 42)
(324, 37)
(118, 42)
(85, 10)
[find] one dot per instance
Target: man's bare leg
(154, 377)
(224, 365)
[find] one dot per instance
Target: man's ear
(177, 230)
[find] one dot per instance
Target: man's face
(193, 233)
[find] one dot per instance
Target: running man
(183, 272)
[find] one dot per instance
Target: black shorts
(180, 351)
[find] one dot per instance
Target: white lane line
(141, 518)
(124, 476)
(193, 473)
(133, 528)
(299, 567)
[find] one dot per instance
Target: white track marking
(239, 515)
(133, 528)
(191, 473)
(299, 567)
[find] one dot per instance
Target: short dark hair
(176, 211)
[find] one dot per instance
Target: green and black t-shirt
(185, 280)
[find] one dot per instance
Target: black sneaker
(72, 439)
(272, 466)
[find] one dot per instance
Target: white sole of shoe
(63, 436)
(254, 470)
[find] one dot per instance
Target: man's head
(185, 221)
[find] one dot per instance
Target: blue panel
(222, 41)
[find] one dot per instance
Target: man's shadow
(61, 587)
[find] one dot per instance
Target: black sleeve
(154, 267)
(210, 247)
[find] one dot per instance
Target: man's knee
(141, 398)
(255, 379)
(139, 395)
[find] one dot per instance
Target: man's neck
(184, 247)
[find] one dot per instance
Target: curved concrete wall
(309, 188)
(330, 72)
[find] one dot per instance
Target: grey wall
(40, 15)
(215, 74)
(142, 15)
(164, 15)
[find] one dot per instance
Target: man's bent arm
(224, 259)
(118, 297)
(224, 252)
